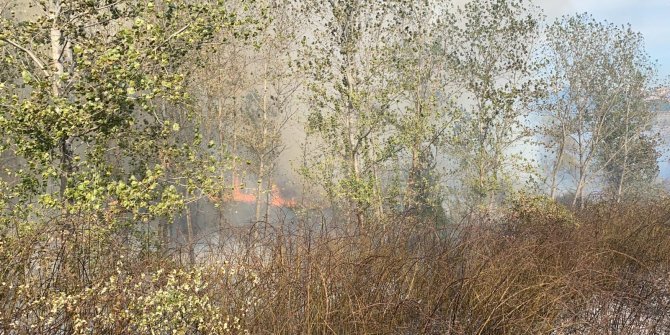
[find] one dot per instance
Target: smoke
(552, 8)
(556, 8)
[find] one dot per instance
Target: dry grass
(605, 270)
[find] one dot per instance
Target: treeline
(451, 169)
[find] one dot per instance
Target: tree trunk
(262, 152)
(57, 50)
(619, 194)
(411, 191)
(165, 233)
(352, 156)
(583, 165)
(579, 191)
(624, 166)
(377, 188)
(557, 166)
(189, 236)
(222, 193)
(260, 189)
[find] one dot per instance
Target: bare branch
(173, 36)
(33, 56)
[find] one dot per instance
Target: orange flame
(239, 196)
(276, 198)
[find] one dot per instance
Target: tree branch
(32, 55)
(172, 36)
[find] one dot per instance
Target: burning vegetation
(243, 194)
(461, 168)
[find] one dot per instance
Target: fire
(239, 196)
(276, 199)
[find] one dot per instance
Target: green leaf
(26, 76)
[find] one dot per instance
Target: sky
(649, 17)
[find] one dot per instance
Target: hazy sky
(650, 17)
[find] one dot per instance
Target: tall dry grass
(535, 269)
(539, 269)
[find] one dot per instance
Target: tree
(220, 87)
(492, 57)
(349, 76)
(424, 118)
(599, 80)
(270, 104)
(629, 152)
(630, 161)
(86, 111)
(253, 107)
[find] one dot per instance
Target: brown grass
(604, 270)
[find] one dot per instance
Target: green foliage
(156, 301)
(99, 128)
(96, 121)
(492, 59)
(352, 91)
(598, 104)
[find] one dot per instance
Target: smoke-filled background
(255, 102)
(647, 18)
(338, 166)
